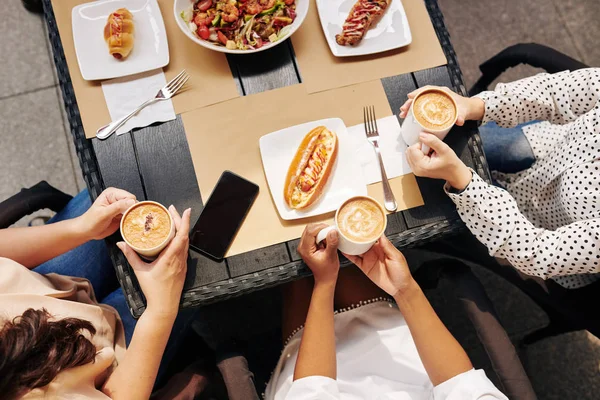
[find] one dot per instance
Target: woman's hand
(468, 108)
(162, 280)
(442, 163)
(104, 216)
(322, 259)
(385, 266)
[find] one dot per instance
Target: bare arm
(162, 283)
(317, 349)
(316, 356)
(442, 356)
(135, 376)
(35, 245)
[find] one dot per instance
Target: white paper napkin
(125, 94)
(393, 150)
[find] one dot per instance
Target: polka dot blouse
(547, 222)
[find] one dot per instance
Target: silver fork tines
(168, 91)
(372, 133)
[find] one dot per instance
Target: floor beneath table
(35, 144)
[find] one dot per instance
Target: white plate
(391, 32)
(277, 150)
(184, 5)
(150, 49)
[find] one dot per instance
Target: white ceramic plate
(391, 32)
(184, 5)
(277, 150)
(150, 49)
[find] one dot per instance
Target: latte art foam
(361, 220)
(146, 226)
(434, 110)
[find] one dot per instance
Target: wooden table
(155, 163)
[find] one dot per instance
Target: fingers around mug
(425, 149)
(414, 155)
(405, 107)
(312, 230)
(322, 234)
(184, 227)
(434, 142)
(175, 215)
(460, 120)
(333, 241)
(113, 194)
(119, 207)
(132, 257)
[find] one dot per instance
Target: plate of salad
(239, 26)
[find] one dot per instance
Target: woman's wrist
(407, 294)
(164, 315)
(327, 285)
(460, 177)
(79, 229)
(476, 109)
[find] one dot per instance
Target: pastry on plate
(118, 33)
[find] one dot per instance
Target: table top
(155, 163)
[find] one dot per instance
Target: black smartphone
(223, 215)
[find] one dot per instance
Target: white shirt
(547, 223)
(376, 359)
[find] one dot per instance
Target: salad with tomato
(240, 24)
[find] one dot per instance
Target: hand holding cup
(162, 280)
(442, 163)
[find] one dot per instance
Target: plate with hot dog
(310, 168)
(118, 38)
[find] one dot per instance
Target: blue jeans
(90, 261)
(506, 149)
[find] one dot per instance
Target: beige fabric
(63, 297)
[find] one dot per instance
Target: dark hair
(33, 350)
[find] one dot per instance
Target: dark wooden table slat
(118, 164)
(266, 70)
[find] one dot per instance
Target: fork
(165, 93)
(373, 137)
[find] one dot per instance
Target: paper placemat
(391, 145)
(216, 147)
(321, 70)
(210, 81)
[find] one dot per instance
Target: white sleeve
(470, 385)
(492, 215)
(559, 98)
(314, 388)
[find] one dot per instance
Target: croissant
(118, 33)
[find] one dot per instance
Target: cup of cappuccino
(433, 111)
(147, 227)
(359, 222)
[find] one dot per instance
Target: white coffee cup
(347, 245)
(411, 128)
(151, 253)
